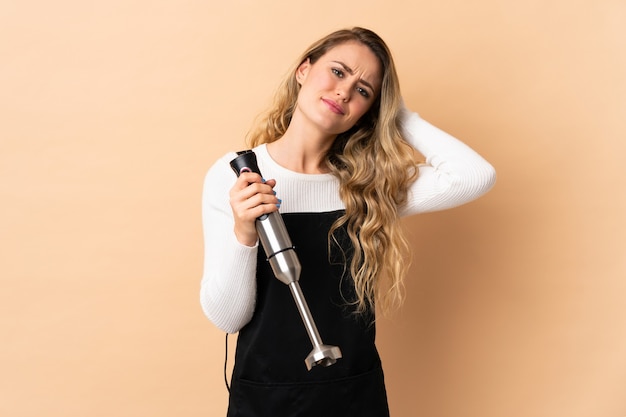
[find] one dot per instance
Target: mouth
(333, 106)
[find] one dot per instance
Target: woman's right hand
(251, 197)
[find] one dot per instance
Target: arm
(228, 288)
(453, 174)
(230, 207)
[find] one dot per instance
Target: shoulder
(221, 167)
(218, 180)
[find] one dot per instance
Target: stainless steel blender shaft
(286, 266)
(321, 354)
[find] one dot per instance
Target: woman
(337, 148)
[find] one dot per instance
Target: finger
(261, 191)
(271, 182)
(259, 210)
(243, 201)
(247, 178)
(254, 178)
(243, 189)
(246, 218)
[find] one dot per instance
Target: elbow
(488, 177)
(222, 315)
(474, 183)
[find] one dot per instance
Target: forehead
(359, 58)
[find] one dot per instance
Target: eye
(337, 72)
(363, 92)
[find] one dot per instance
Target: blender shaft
(305, 313)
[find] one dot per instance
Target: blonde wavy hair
(375, 167)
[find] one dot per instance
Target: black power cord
(225, 365)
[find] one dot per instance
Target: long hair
(375, 167)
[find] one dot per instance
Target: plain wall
(111, 113)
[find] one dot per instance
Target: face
(339, 87)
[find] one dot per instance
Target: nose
(343, 92)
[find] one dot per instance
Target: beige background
(111, 112)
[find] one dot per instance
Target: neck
(302, 149)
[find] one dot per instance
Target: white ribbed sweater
(453, 174)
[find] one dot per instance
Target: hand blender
(284, 261)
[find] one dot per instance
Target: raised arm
(453, 174)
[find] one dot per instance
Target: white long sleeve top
(453, 174)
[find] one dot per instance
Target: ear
(303, 71)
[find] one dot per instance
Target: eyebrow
(351, 72)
